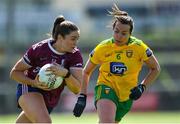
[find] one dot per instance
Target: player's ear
(60, 37)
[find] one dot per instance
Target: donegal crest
(107, 90)
(129, 53)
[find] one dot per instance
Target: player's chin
(120, 42)
(71, 50)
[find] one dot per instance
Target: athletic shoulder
(76, 50)
(41, 44)
(76, 53)
(141, 47)
(75, 58)
(105, 43)
(136, 42)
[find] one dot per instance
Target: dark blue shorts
(24, 88)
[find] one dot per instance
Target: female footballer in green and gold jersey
(120, 58)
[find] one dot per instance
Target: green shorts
(105, 92)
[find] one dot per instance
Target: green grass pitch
(91, 118)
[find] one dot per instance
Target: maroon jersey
(42, 53)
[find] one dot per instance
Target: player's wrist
(68, 74)
(33, 82)
(82, 95)
(143, 87)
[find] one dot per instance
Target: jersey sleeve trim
(26, 62)
(93, 61)
(78, 68)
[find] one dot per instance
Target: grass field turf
(91, 118)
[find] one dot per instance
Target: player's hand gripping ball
(51, 80)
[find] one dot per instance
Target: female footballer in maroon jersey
(34, 98)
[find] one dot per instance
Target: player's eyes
(124, 33)
(116, 31)
(74, 39)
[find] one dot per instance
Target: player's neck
(121, 43)
(57, 48)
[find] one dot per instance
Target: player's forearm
(85, 83)
(87, 71)
(21, 78)
(152, 75)
(73, 84)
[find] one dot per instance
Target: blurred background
(157, 22)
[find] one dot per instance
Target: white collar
(53, 50)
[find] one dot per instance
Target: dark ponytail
(62, 27)
(58, 21)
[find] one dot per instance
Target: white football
(50, 79)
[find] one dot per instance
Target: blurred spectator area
(157, 22)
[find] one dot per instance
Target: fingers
(135, 94)
(51, 69)
(80, 105)
(77, 111)
(54, 68)
(54, 63)
(43, 87)
(133, 89)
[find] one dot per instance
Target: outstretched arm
(87, 71)
(81, 102)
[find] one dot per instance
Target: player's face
(121, 33)
(69, 42)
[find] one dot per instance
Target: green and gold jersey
(120, 65)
